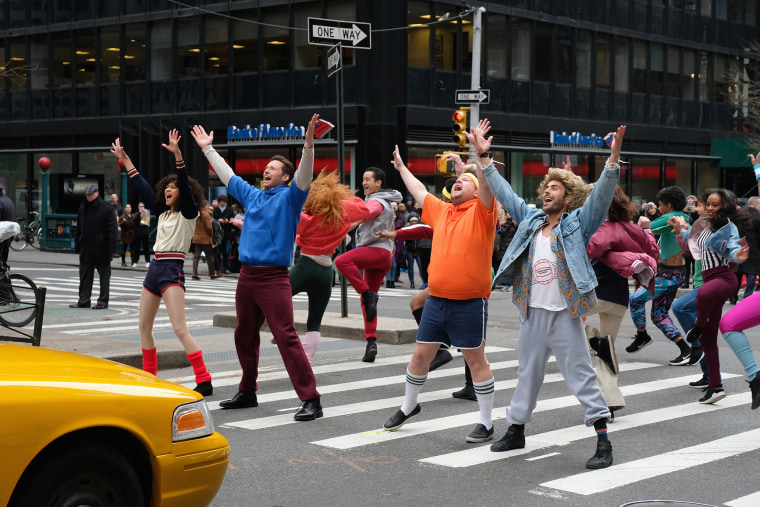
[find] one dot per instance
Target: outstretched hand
(742, 254)
(397, 162)
(118, 150)
(755, 159)
(616, 143)
(201, 137)
(173, 145)
(477, 136)
(310, 132)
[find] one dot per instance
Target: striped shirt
(710, 259)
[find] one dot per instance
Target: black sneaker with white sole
(702, 383)
(680, 360)
(696, 354)
(480, 434)
(398, 419)
(713, 394)
(640, 341)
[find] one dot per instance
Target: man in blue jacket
(266, 251)
(553, 282)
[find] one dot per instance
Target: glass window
(678, 173)
(85, 9)
(603, 72)
(543, 60)
(85, 56)
(721, 9)
(215, 45)
(583, 59)
(39, 12)
(306, 55)
(108, 8)
(110, 65)
(135, 6)
(245, 46)
(736, 10)
(344, 10)
(38, 80)
(521, 50)
(161, 50)
(62, 12)
(275, 35)
(496, 41)
(563, 68)
(657, 68)
(639, 66)
(646, 179)
(705, 76)
(188, 47)
(18, 13)
(622, 65)
(100, 162)
(134, 52)
(449, 45)
(528, 171)
(706, 8)
(689, 78)
(750, 17)
(18, 64)
(418, 37)
(674, 72)
(727, 77)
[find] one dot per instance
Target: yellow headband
(446, 193)
(473, 178)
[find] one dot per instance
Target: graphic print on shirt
(544, 272)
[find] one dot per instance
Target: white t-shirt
(544, 291)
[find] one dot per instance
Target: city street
(666, 445)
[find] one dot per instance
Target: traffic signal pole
(477, 32)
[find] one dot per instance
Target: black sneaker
(680, 360)
(640, 341)
(370, 352)
(603, 456)
(204, 388)
(442, 357)
(605, 351)
(466, 393)
(696, 355)
(694, 334)
(369, 300)
(514, 438)
(713, 394)
(480, 434)
(702, 383)
(754, 387)
(399, 419)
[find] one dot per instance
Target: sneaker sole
(627, 349)
(477, 440)
(409, 418)
(702, 388)
(714, 399)
(684, 362)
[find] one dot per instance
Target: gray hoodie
(365, 233)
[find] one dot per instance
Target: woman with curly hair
(176, 197)
(718, 247)
(330, 212)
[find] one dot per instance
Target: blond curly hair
(575, 187)
(326, 197)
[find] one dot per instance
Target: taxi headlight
(192, 420)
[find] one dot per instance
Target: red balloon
(44, 163)
(121, 164)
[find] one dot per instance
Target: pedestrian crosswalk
(358, 397)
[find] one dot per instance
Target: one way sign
(328, 32)
(482, 96)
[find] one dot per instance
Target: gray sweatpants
(545, 332)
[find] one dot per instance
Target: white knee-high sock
(311, 343)
(414, 385)
(485, 393)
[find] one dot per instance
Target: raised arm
(204, 141)
(144, 190)
(305, 172)
(477, 138)
(189, 207)
(416, 187)
(756, 167)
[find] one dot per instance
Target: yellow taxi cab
(78, 430)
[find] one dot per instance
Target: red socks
(150, 361)
(199, 367)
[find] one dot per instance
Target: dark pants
(5, 247)
(140, 244)
(264, 293)
(209, 251)
(86, 277)
(424, 254)
(223, 256)
(719, 284)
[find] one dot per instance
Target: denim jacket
(725, 242)
(576, 227)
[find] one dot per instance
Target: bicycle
(30, 234)
(19, 299)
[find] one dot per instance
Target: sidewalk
(171, 355)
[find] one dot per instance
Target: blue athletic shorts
(459, 323)
(164, 274)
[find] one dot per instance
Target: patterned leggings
(666, 286)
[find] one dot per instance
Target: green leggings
(316, 280)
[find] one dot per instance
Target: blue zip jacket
(725, 242)
(271, 218)
(576, 227)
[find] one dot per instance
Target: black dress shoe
(398, 419)
(204, 388)
(467, 393)
(240, 400)
(603, 456)
(79, 305)
(310, 410)
(100, 307)
(442, 357)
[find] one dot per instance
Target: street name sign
(333, 60)
(472, 96)
(328, 32)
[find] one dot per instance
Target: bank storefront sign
(268, 133)
(577, 140)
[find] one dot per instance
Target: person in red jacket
(329, 213)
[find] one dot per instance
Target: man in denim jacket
(553, 287)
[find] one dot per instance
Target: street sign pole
(342, 170)
(477, 32)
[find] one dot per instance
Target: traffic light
(459, 127)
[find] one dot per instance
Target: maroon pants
(263, 293)
(719, 284)
(375, 262)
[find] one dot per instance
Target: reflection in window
(85, 55)
(276, 47)
(39, 58)
(18, 63)
(161, 51)
(543, 61)
(678, 173)
(134, 52)
(622, 65)
(657, 68)
(531, 167)
(110, 66)
(245, 46)
(705, 76)
(188, 47)
(418, 43)
(215, 45)
(61, 62)
(674, 72)
(646, 179)
(706, 8)
(496, 40)
(603, 70)
(450, 45)
(689, 77)
(563, 55)
(306, 55)
(521, 50)
(639, 67)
